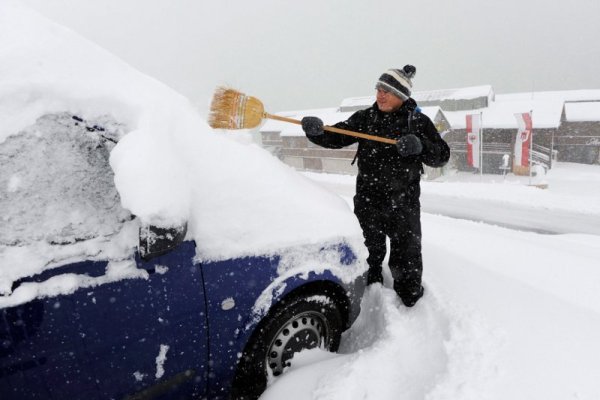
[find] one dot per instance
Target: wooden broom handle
(334, 129)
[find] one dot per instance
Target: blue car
(144, 255)
(177, 327)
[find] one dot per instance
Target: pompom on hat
(398, 81)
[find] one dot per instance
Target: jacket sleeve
(436, 151)
(333, 140)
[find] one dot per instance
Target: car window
(56, 182)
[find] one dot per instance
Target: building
(579, 140)
(566, 127)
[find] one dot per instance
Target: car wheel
(302, 323)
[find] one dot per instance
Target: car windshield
(57, 184)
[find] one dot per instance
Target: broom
(231, 109)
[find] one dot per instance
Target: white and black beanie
(398, 81)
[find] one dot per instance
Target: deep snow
(507, 314)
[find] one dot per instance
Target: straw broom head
(231, 109)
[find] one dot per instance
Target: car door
(145, 338)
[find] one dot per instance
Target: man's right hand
(312, 126)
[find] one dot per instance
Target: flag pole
(551, 149)
(530, 146)
(480, 146)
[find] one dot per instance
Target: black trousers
(399, 218)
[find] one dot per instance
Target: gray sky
(313, 53)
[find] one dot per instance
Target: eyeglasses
(382, 89)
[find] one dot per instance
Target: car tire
(301, 323)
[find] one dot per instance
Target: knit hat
(398, 81)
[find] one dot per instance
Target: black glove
(312, 126)
(409, 145)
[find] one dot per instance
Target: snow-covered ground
(507, 314)
(570, 205)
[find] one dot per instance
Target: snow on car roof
(169, 165)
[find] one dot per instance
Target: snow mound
(432, 351)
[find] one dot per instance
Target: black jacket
(382, 172)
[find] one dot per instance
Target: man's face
(387, 102)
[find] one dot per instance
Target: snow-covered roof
(560, 95)
(466, 93)
(357, 102)
(501, 114)
(583, 111)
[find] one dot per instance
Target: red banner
(473, 139)
(524, 139)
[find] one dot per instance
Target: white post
(551, 165)
(530, 146)
(480, 145)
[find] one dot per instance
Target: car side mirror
(156, 241)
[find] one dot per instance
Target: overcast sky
(305, 54)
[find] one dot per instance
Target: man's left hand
(409, 145)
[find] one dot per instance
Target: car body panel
(106, 341)
(250, 286)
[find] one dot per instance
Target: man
(387, 186)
